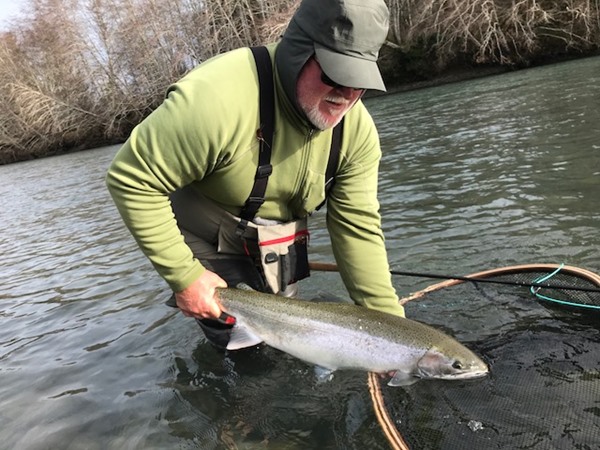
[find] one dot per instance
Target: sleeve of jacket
(354, 221)
(168, 150)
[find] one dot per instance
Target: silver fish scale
(338, 336)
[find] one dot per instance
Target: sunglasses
(326, 80)
(329, 82)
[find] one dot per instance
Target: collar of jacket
(290, 112)
(285, 86)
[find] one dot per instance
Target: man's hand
(199, 299)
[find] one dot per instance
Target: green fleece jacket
(205, 135)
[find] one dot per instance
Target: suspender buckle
(241, 227)
(255, 202)
(264, 171)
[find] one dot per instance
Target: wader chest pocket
(280, 251)
(294, 264)
(283, 253)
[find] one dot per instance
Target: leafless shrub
(47, 103)
(507, 32)
(78, 73)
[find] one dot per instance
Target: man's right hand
(199, 299)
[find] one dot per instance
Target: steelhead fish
(345, 336)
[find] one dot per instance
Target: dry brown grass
(79, 73)
(507, 32)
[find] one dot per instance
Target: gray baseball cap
(347, 36)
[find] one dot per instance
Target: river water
(480, 174)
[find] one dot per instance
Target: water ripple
(475, 175)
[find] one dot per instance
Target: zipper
(305, 158)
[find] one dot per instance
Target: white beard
(319, 121)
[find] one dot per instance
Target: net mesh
(577, 291)
(561, 284)
(543, 390)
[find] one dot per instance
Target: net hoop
(570, 270)
(388, 427)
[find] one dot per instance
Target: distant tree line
(81, 73)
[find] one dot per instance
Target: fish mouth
(467, 375)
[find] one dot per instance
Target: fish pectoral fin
(242, 337)
(401, 378)
(323, 374)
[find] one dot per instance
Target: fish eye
(457, 365)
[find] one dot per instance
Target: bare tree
(79, 73)
(508, 32)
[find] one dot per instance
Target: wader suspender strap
(265, 136)
(334, 157)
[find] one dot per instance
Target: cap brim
(349, 71)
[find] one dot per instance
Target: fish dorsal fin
(323, 297)
(242, 337)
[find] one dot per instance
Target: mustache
(337, 99)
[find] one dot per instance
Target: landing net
(541, 344)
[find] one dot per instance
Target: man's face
(323, 104)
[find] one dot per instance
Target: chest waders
(280, 250)
(270, 258)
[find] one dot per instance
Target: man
(200, 149)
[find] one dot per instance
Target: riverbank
(85, 74)
(463, 73)
(451, 75)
